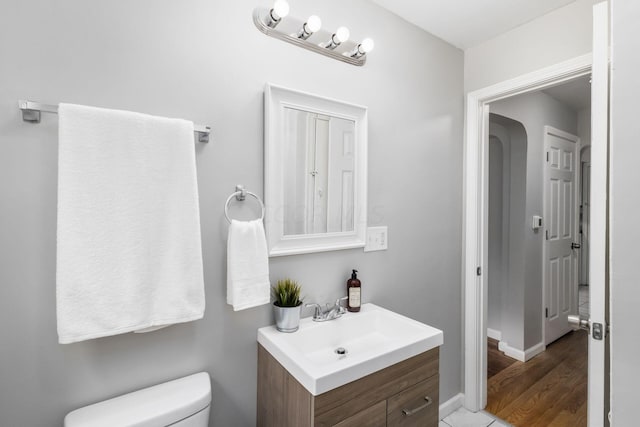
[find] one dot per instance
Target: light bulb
(366, 46)
(313, 24)
(341, 35)
(280, 9)
(362, 49)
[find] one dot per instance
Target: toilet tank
(184, 402)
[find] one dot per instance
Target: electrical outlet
(377, 239)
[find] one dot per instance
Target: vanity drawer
(415, 406)
(374, 416)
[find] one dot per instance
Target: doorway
(536, 367)
(476, 218)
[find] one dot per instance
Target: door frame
(475, 214)
(577, 180)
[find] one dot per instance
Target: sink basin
(326, 355)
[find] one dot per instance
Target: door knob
(575, 245)
(577, 323)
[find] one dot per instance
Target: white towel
(247, 265)
(129, 252)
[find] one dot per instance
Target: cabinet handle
(409, 412)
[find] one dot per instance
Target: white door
(561, 252)
(317, 167)
(598, 400)
(341, 169)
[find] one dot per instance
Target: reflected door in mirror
(318, 173)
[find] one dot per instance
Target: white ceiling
(575, 94)
(467, 23)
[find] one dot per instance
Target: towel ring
(240, 195)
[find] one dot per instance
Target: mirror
(315, 172)
(318, 190)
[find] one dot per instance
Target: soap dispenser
(353, 291)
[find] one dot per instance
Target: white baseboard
(510, 351)
(531, 352)
(520, 355)
(492, 333)
(450, 406)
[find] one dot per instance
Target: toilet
(184, 402)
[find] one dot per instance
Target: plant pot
(287, 318)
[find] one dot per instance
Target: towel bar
(31, 113)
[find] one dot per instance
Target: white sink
(374, 339)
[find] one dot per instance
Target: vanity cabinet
(404, 394)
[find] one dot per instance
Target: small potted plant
(287, 305)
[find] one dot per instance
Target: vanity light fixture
(312, 25)
(279, 10)
(341, 35)
(362, 49)
(309, 35)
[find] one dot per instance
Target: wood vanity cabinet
(404, 394)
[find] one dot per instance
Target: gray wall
(624, 206)
(584, 126)
(506, 295)
(498, 247)
(205, 61)
(534, 110)
(562, 34)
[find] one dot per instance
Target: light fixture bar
(261, 19)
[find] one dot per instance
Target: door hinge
(546, 234)
(547, 156)
(479, 271)
(546, 312)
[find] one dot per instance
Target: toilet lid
(163, 404)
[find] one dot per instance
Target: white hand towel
(129, 252)
(247, 265)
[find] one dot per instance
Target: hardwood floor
(496, 360)
(548, 390)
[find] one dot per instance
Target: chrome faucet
(321, 314)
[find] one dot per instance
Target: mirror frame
(276, 99)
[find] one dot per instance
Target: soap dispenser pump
(353, 291)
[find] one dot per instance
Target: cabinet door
(415, 406)
(373, 416)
